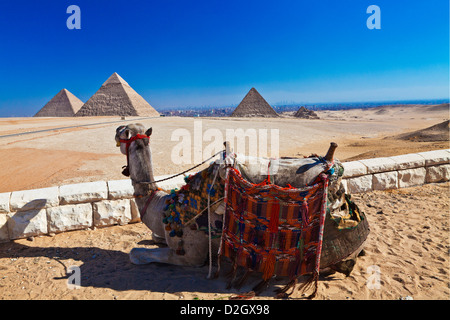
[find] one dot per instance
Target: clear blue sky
(210, 53)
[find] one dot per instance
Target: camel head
(133, 141)
(127, 132)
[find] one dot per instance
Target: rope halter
(126, 169)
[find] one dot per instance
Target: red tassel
(274, 217)
(269, 267)
(305, 212)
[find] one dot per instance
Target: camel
(134, 139)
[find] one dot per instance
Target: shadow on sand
(112, 269)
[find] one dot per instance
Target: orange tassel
(269, 266)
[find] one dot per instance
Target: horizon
(182, 55)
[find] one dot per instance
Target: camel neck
(141, 168)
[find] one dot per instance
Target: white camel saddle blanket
(295, 172)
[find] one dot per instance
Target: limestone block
(24, 224)
(34, 199)
(408, 161)
(411, 177)
(83, 192)
(377, 165)
(120, 189)
(4, 234)
(174, 183)
(385, 180)
(110, 212)
(359, 184)
(4, 202)
(69, 217)
(438, 173)
(135, 215)
(354, 169)
(435, 157)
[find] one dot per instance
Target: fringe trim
(312, 281)
(282, 293)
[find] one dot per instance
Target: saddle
(295, 172)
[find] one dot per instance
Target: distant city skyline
(210, 53)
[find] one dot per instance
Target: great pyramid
(116, 98)
(64, 104)
(254, 105)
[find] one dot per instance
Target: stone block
(359, 184)
(24, 224)
(120, 189)
(4, 233)
(377, 165)
(69, 217)
(26, 200)
(4, 202)
(411, 177)
(135, 215)
(83, 192)
(385, 180)
(408, 161)
(438, 173)
(435, 157)
(354, 169)
(111, 212)
(174, 183)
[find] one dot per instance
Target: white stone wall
(402, 171)
(53, 210)
(106, 203)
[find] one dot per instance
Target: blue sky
(210, 53)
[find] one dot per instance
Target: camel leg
(157, 239)
(195, 247)
(141, 256)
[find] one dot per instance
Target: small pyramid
(64, 104)
(254, 105)
(306, 114)
(116, 98)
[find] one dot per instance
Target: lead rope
(209, 224)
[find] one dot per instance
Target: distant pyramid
(254, 105)
(306, 114)
(64, 104)
(116, 98)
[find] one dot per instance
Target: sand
(408, 243)
(89, 153)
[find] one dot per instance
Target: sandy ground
(89, 153)
(408, 244)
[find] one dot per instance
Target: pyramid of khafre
(254, 105)
(64, 104)
(116, 98)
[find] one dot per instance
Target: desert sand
(408, 243)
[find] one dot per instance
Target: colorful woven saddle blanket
(188, 204)
(271, 229)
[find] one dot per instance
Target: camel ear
(149, 132)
